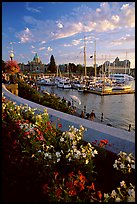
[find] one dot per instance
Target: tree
(52, 66)
(13, 69)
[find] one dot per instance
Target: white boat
(64, 84)
(78, 84)
(46, 82)
(121, 78)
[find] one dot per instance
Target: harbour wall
(119, 139)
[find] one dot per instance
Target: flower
(99, 194)
(122, 184)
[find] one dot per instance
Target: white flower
(95, 151)
(87, 161)
(84, 155)
(74, 143)
(58, 159)
(115, 166)
(58, 154)
(61, 139)
(46, 154)
(113, 194)
(106, 195)
(132, 166)
(122, 183)
(117, 199)
(131, 192)
(69, 158)
(128, 159)
(122, 166)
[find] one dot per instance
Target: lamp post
(11, 55)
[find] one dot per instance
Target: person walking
(92, 115)
(102, 117)
(82, 115)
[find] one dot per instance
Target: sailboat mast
(85, 56)
(126, 63)
(95, 58)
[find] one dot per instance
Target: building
(35, 66)
(117, 66)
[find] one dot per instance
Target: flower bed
(41, 163)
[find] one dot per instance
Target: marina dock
(110, 93)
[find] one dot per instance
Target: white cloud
(25, 36)
(67, 45)
(37, 10)
(49, 49)
(33, 52)
(59, 25)
(42, 48)
(76, 42)
(43, 42)
(125, 39)
(82, 19)
(32, 47)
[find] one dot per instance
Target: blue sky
(58, 28)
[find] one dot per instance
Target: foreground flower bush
(42, 163)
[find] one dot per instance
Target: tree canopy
(52, 66)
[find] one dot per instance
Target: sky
(59, 29)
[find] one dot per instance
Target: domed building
(36, 64)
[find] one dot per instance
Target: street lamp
(11, 55)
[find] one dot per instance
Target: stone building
(35, 66)
(117, 66)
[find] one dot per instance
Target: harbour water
(118, 110)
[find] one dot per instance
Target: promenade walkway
(119, 140)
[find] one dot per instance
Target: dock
(110, 93)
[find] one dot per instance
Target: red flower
(92, 187)
(56, 174)
(45, 187)
(69, 184)
(60, 125)
(81, 186)
(71, 174)
(104, 141)
(58, 192)
(72, 192)
(82, 177)
(99, 194)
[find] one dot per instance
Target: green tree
(52, 66)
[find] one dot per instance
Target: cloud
(32, 47)
(67, 45)
(43, 42)
(82, 19)
(42, 48)
(125, 39)
(59, 25)
(49, 49)
(36, 10)
(76, 42)
(25, 36)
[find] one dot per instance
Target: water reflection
(118, 110)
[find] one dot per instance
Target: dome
(36, 57)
